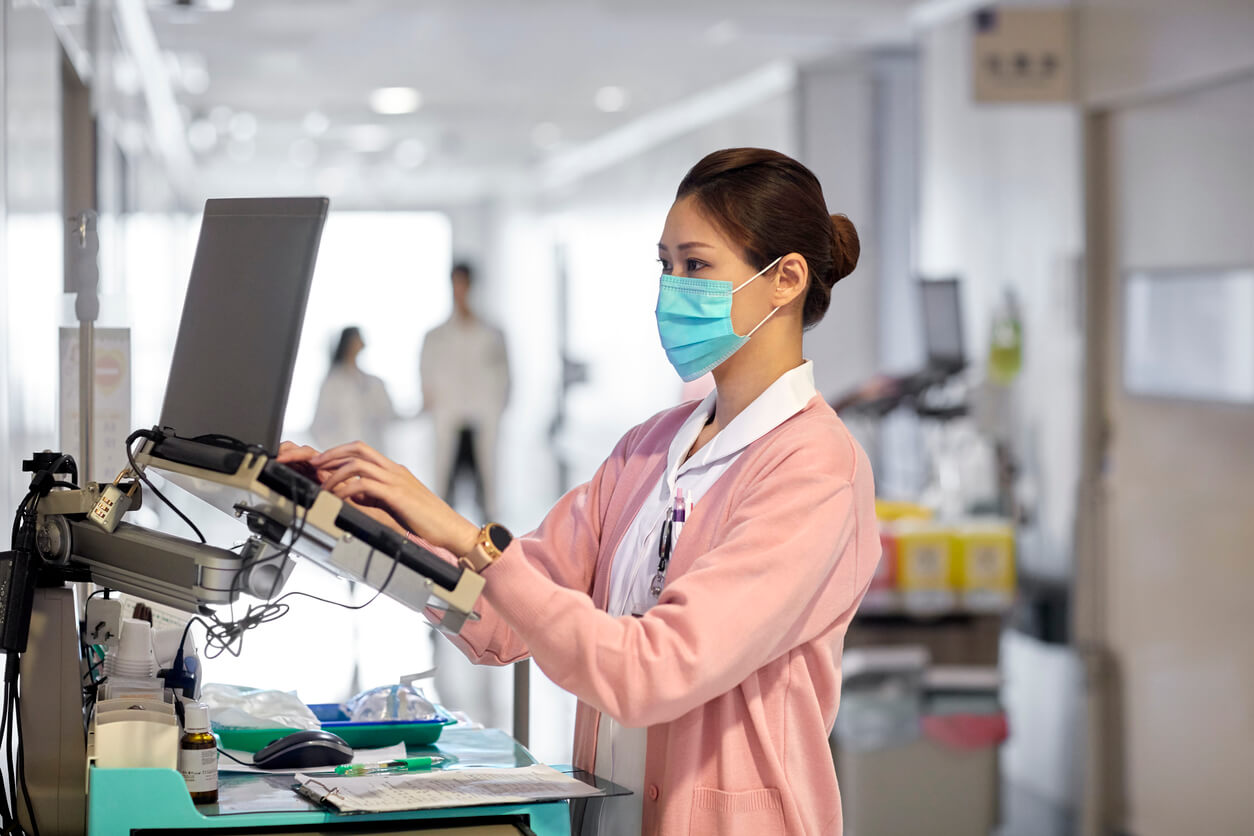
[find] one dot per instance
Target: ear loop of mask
(746, 281)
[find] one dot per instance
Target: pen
(398, 765)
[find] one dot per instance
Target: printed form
(469, 787)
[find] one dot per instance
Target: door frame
(1103, 807)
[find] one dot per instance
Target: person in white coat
(465, 386)
(352, 405)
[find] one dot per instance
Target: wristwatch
(494, 538)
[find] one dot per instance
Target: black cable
(6, 816)
(222, 751)
(135, 468)
(228, 636)
(23, 509)
(21, 768)
(9, 758)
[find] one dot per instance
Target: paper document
(393, 792)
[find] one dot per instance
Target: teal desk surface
(123, 800)
(243, 792)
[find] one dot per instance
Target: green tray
(357, 735)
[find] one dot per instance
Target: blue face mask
(694, 322)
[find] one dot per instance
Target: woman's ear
(793, 274)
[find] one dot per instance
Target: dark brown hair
(773, 205)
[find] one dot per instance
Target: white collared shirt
(620, 750)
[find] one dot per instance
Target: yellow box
(984, 565)
(890, 510)
(925, 572)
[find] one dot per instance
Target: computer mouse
(302, 749)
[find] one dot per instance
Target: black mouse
(303, 749)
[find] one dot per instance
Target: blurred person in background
(352, 404)
(465, 386)
(707, 662)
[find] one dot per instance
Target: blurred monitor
(942, 324)
(242, 318)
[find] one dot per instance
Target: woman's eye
(666, 265)
(694, 265)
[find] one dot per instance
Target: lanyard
(672, 524)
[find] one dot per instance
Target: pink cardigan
(736, 670)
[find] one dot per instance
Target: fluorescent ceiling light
(392, 101)
(610, 99)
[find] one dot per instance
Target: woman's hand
(359, 474)
(298, 457)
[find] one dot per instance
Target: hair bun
(845, 253)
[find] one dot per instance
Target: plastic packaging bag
(236, 707)
(391, 703)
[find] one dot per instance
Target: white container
(134, 656)
(131, 739)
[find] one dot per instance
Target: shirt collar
(783, 399)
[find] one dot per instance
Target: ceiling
(504, 84)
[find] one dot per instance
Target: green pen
(398, 765)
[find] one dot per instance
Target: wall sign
(1022, 54)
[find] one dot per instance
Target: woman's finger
(354, 469)
(352, 450)
(291, 452)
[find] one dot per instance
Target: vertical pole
(1101, 805)
(81, 270)
(522, 702)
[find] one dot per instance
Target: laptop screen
(942, 323)
(242, 318)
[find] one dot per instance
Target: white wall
(836, 117)
(1133, 48)
(1001, 207)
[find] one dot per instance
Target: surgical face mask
(694, 322)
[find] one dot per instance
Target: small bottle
(198, 754)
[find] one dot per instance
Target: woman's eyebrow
(688, 246)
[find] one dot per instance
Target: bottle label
(199, 768)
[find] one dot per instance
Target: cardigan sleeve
(561, 553)
(784, 570)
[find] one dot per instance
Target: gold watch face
(498, 538)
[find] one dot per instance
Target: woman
(707, 663)
(351, 403)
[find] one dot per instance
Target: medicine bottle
(198, 754)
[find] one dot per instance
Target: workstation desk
(155, 802)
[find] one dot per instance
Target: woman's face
(691, 246)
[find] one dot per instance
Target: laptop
(242, 318)
(942, 325)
